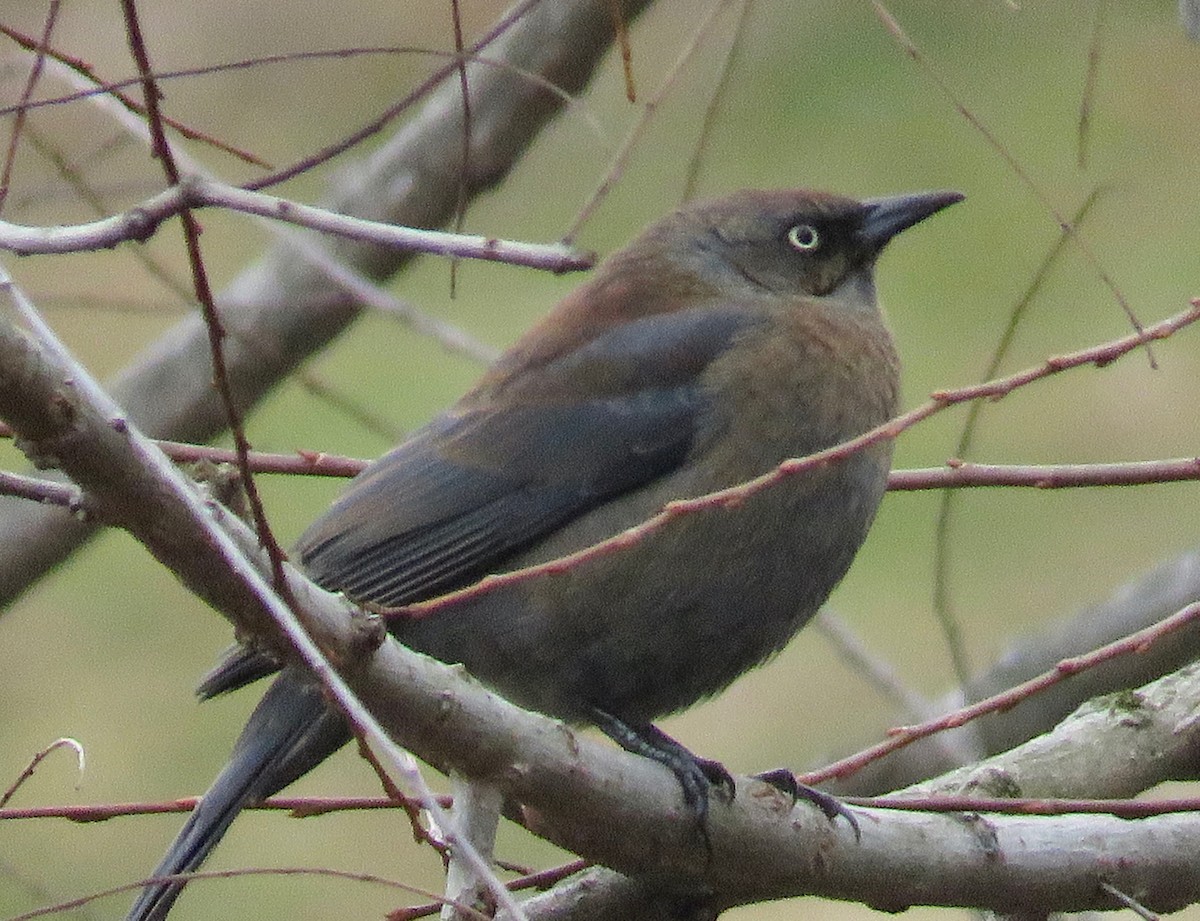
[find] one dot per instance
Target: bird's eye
(804, 237)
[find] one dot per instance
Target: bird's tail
(290, 732)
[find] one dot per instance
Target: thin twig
(412, 809)
(955, 475)
(714, 107)
(943, 607)
(99, 87)
(353, 282)
(161, 150)
(1129, 901)
(543, 879)
(172, 490)
(306, 377)
(37, 759)
(464, 165)
(910, 48)
(1088, 97)
(22, 106)
(905, 735)
(194, 876)
(879, 672)
(299, 807)
(621, 30)
(81, 67)
(377, 124)
(650, 107)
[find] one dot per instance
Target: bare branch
(957, 474)
(290, 309)
(142, 221)
(1022, 174)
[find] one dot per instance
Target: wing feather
(501, 470)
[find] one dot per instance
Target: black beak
(883, 218)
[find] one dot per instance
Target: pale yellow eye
(804, 237)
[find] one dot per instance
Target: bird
(729, 336)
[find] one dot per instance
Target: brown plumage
(729, 336)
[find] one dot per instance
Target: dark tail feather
(290, 732)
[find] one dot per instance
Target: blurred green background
(108, 649)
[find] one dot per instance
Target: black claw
(695, 784)
(718, 777)
(697, 776)
(782, 780)
(786, 783)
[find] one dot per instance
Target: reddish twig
(958, 474)
(943, 607)
(304, 463)
(621, 29)
(905, 735)
(22, 106)
(161, 150)
(38, 759)
(392, 112)
(233, 874)
(955, 475)
(411, 808)
(300, 807)
(113, 87)
(81, 67)
(1121, 808)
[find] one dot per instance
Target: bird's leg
(786, 783)
(695, 775)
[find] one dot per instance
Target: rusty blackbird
(730, 335)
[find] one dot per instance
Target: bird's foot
(785, 782)
(697, 777)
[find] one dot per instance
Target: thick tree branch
(1111, 747)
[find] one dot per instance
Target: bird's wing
(504, 468)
